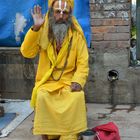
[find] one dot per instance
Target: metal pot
(88, 135)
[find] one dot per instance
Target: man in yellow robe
(58, 97)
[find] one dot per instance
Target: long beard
(58, 29)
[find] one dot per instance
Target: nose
(61, 16)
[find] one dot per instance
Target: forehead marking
(60, 2)
(60, 6)
(65, 5)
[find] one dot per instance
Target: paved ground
(126, 117)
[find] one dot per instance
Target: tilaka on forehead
(60, 6)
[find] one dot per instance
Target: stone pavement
(126, 117)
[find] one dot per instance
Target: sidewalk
(127, 119)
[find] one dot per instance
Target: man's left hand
(75, 87)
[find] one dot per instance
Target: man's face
(60, 20)
(61, 10)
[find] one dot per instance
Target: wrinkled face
(61, 10)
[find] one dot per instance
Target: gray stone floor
(126, 117)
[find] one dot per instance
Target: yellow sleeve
(82, 68)
(29, 47)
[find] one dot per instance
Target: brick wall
(110, 25)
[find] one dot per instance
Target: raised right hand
(38, 18)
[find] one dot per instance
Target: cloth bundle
(107, 131)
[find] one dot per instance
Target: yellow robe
(58, 111)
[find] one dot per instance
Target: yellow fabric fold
(44, 79)
(61, 112)
(29, 46)
(50, 52)
(69, 137)
(46, 45)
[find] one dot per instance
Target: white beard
(60, 31)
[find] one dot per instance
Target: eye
(65, 12)
(57, 11)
